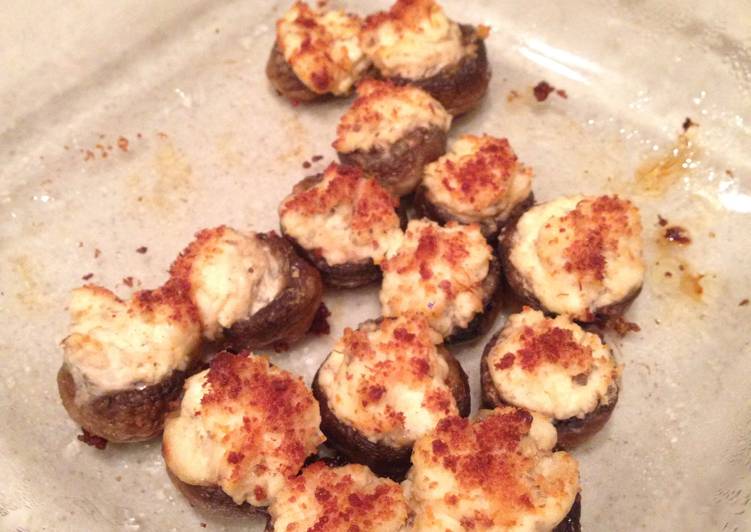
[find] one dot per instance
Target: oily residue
(171, 181)
(672, 272)
(656, 175)
(296, 138)
(30, 288)
(676, 275)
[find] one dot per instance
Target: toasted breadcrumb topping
(346, 217)
(438, 272)
(413, 40)
(579, 254)
(388, 380)
(342, 499)
(383, 113)
(480, 177)
(322, 47)
(494, 473)
(552, 366)
(244, 425)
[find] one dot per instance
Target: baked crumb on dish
(344, 222)
(415, 42)
(554, 367)
(316, 52)
(479, 180)
(392, 132)
(124, 361)
(339, 499)
(242, 429)
(384, 385)
(497, 472)
(447, 273)
(576, 255)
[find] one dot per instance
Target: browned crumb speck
(677, 235)
(688, 123)
(142, 250)
(87, 276)
(93, 440)
(542, 90)
(122, 143)
(743, 303)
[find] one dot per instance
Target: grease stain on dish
(31, 287)
(658, 174)
(672, 274)
(172, 180)
(296, 137)
(231, 156)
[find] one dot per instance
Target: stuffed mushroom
(480, 180)
(383, 386)
(449, 274)
(251, 289)
(554, 367)
(498, 472)
(416, 43)
(125, 361)
(344, 223)
(338, 499)
(576, 255)
(243, 428)
(392, 132)
(316, 54)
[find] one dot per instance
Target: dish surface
(144, 125)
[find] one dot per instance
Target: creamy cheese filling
(322, 47)
(578, 254)
(243, 425)
(496, 473)
(232, 276)
(552, 366)
(384, 113)
(117, 345)
(478, 178)
(438, 272)
(342, 499)
(413, 40)
(388, 380)
(346, 217)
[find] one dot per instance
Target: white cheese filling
(232, 275)
(117, 345)
(383, 114)
(415, 40)
(478, 178)
(549, 387)
(323, 48)
(537, 253)
(441, 279)
(418, 400)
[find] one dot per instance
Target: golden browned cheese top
(349, 498)
(269, 402)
